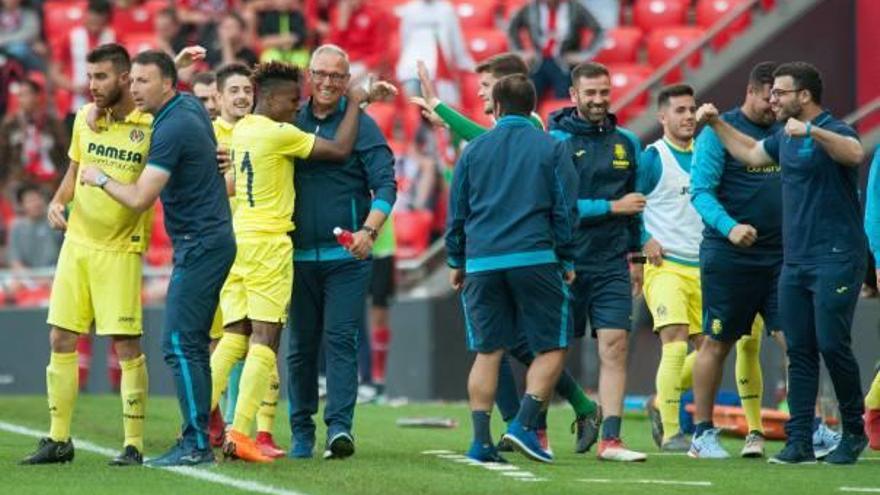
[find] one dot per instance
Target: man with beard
(824, 256)
(204, 87)
(606, 158)
(98, 276)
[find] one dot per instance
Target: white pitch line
(192, 472)
(858, 489)
(647, 482)
(518, 474)
(435, 452)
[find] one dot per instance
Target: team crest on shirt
(621, 160)
(136, 136)
(716, 326)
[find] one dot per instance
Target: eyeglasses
(776, 93)
(334, 77)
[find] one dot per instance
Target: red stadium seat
(159, 252)
(59, 17)
(33, 295)
(137, 19)
(510, 7)
(139, 42)
(625, 77)
(621, 46)
(475, 14)
(653, 14)
(485, 43)
(550, 105)
(412, 230)
(711, 11)
(665, 43)
(384, 113)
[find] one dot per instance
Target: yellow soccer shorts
(217, 325)
(260, 281)
(673, 294)
(100, 286)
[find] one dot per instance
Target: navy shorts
(534, 300)
(603, 298)
(735, 290)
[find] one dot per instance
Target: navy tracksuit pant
(329, 301)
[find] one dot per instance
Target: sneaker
(240, 446)
(504, 445)
(485, 453)
(526, 441)
(794, 453)
(179, 456)
(339, 446)
(130, 456)
(848, 450)
(872, 428)
(707, 446)
(754, 446)
(544, 440)
(613, 449)
(677, 443)
(302, 448)
(267, 446)
(366, 393)
(825, 440)
(50, 452)
(656, 421)
(216, 428)
(586, 431)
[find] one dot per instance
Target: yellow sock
(749, 381)
(687, 371)
(872, 400)
(266, 413)
(133, 389)
(62, 387)
(668, 390)
(258, 367)
(231, 349)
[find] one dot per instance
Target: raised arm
(741, 146)
(843, 149)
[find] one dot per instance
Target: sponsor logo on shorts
(841, 289)
(126, 319)
(716, 326)
(580, 153)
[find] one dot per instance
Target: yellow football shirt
(223, 132)
(120, 150)
(262, 155)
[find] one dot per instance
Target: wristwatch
(102, 180)
(371, 231)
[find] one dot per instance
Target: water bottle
(344, 237)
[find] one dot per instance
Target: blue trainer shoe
(526, 441)
(825, 440)
(794, 453)
(302, 448)
(485, 453)
(339, 446)
(707, 446)
(180, 456)
(848, 450)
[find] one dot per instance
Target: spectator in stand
(33, 143)
(32, 241)
(361, 29)
(200, 19)
(204, 87)
(319, 13)
(170, 35)
(231, 43)
(553, 29)
(282, 32)
(19, 32)
(69, 71)
(429, 31)
(418, 174)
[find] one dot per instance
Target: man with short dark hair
(609, 233)
(204, 87)
(182, 166)
(514, 271)
(823, 253)
(98, 276)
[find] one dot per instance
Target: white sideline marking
(859, 489)
(518, 474)
(647, 482)
(434, 452)
(509, 470)
(192, 472)
(497, 466)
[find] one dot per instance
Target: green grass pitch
(391, 460)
